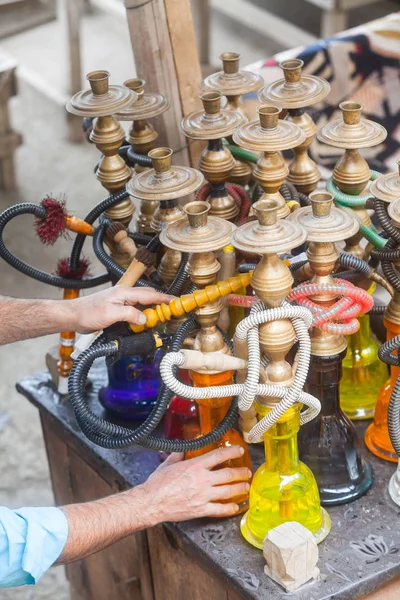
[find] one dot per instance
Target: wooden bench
(9, 139)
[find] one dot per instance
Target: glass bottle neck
(362, 338)
(280, 441)
(323, 381)
(211, 410)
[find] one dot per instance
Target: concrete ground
(48, 164)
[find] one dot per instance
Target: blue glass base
(133, 387)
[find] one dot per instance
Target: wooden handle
(125, 243)
(133, 273)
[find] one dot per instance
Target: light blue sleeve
(31, 540)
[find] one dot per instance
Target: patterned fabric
(361, 64)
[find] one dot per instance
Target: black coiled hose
(386, 355)
(181, 277)
(349, 261)
(140, 239)
(134, 158)
(109, 435)
(385, 222)
(48, 278)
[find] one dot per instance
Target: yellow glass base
(276, 499)
(257, 541)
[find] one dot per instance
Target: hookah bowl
(201, 235)
(103, 101)
(352, 133)
(142, 137)
(295, 93)
(216, 161)
(329, 444)
(377, 437)
(233, 83)
(283, 488)
(269, 135)
(165, 184)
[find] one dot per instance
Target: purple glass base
(133, 387)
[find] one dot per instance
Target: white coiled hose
(301, 318)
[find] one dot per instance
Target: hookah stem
(67, 340)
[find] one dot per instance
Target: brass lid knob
(268, 235)
(295, 90)
(268, 133)
(102, 99)
(351, 131)
(387, 187)
(147, 106)
(232, 81)
(323, 221)
(213, 122)
(164, 181)
(199, 232)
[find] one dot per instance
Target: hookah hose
(248, 328)
(48, 278)
(110, 435)
(386, 355)
(115, 269)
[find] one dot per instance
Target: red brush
(58, 221)
(64, 270)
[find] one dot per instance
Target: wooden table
(204, 559)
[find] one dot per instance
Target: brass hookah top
(147, 105)
(199, 233)
(323, 221)
(164, 181)
(268, 235)
(387, 187)
(295, 90)
(213, 122)
(351, 132)
(102, 99)
(268, 133)
(232, 81)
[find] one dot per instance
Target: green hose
(348, 200)
(241, 153)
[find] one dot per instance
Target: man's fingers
(224, 492)
(129, 314)
(143, 295)
(230, 475)
(213, 509)
(217, 457)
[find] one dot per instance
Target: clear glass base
(394, 486)
(256, 541)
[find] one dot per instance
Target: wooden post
(165, 53)
(73, 12)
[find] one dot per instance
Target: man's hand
(179, 490)
(98, 311)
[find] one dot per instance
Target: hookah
(283, 489)
(141, 139)
(216, 161)
(329, 444)
(269, 135)
(134, 381)
(295, 93)
(102, 102)
(202, 235)
(350, 177)
(386, 191)
(233, 83)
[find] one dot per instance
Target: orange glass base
(211, 412)
(377, 435)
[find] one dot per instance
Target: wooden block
(291, 554)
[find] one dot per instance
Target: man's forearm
(95, 525)
(23, 319)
